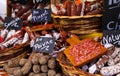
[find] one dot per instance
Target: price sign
(15, 1)
(13, 23)
(111, 15)
(41, 15)
(112, 37)
(41, 1)
(20, 1)
(44, 44)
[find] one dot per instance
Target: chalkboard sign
(112, 37)
(111, 15)
(13, 23)
(44, 44)
(20, 1)
(41, 1)
(110, 5)
(41, 15)
(15, 1)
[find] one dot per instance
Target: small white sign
(3, 8)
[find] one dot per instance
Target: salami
(84, 52)
(110, 70)
(73, 9)
(68, 6)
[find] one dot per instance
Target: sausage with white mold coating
(18, 42)
(105, 58)
(51, 73)
(114, 55)
(44, 68)
(11, 70)
(43, 60)
(11, 41)
(102, 61)
(110, 70)
(26, 68)
(32, 74)
(22, 62)
(17, 73)
(4, 33)
(25, 38)
(13, 63)
(94, 12)
(51, 63)
(36, 68)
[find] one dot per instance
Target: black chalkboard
(20, 1)
(44, 44)
(13, 23)
(41, 15)
(110, 5)
(112, 37)
(42, 1)
(111, 15)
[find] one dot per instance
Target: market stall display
(68, 44)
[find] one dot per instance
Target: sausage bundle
(11, 38)
(77, 7)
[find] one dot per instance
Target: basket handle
(73, 40)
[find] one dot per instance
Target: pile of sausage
(38, 64)
(10, 38)
(76, 7)
(107, 65)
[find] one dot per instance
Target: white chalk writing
(42, 16)
(111, 38)
(12, 23)
(114, 4)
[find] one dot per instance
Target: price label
(112, 37)
(44, 44)
(20, 1)
(13, 23)
(111, 15)
(41, 15)
(41, 1)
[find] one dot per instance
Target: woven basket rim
(72, 69)
(14, 49)
(76, 17)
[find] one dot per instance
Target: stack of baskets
(79, 25)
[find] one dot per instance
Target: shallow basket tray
(79, 24)
(70, 70)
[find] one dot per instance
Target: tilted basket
(69, 70)
(13, 53)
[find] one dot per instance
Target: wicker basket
(79, 24)
(12, 53)
(69, 70)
